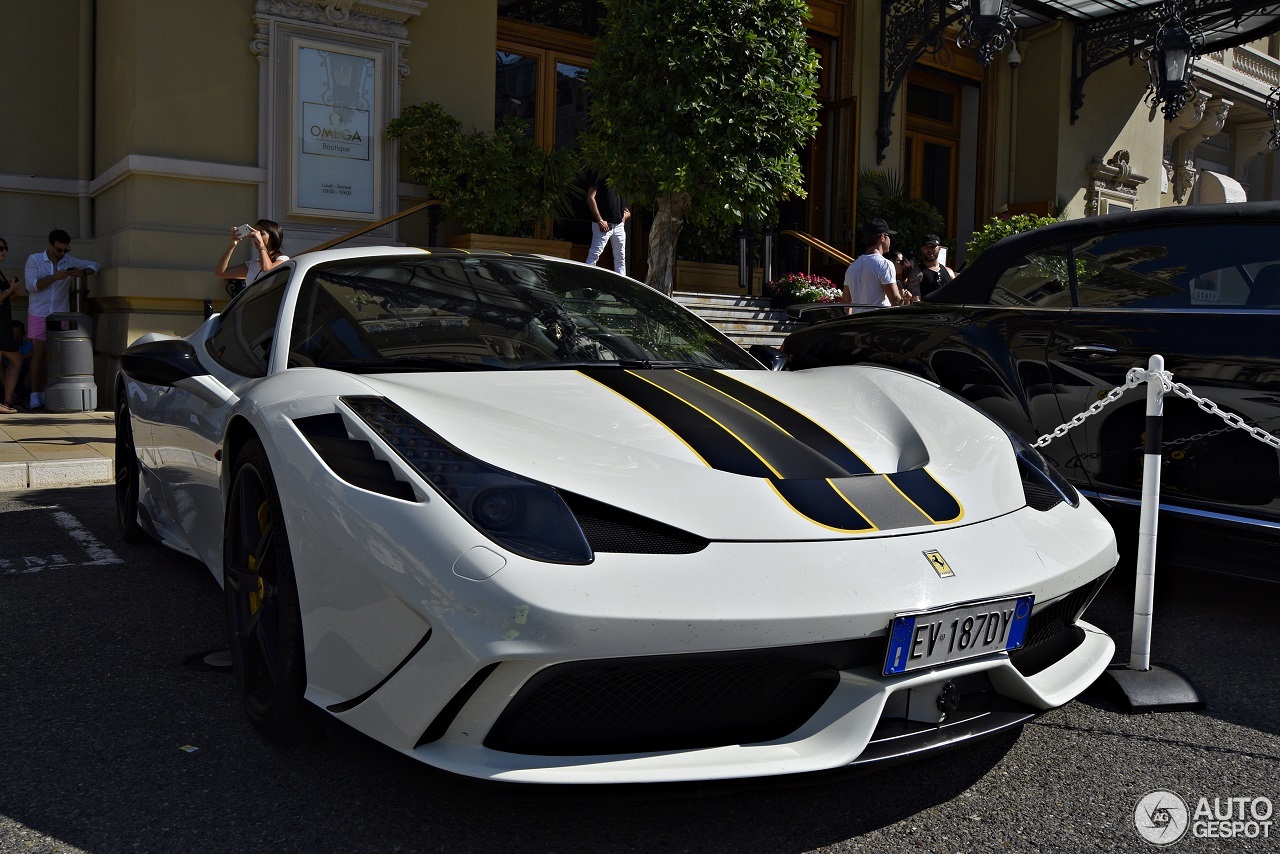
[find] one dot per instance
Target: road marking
(98, 554)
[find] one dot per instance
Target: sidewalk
(45, 449)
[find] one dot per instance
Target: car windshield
(431, 313)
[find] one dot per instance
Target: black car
(1044, 323)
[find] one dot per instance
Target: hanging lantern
(988, 26)
(1171, 59)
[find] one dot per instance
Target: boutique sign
(336, 162)
(335, 132)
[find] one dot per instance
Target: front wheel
(128, 475)
(264, 619)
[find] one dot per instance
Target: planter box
(494, 242)
(706, 278)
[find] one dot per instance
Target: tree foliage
(699, 107)
(998, 228)
(496, 183)
(707, 97)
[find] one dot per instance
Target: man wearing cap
(930, 275)
(870, 281)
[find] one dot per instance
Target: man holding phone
(49, 275)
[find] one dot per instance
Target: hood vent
(609, 529)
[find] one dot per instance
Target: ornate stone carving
(1184, 160)
(1112, 181)
(385, 18)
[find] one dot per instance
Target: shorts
(35, 327)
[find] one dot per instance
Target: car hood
(732, 455)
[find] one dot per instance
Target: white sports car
(525, 519)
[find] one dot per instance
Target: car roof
(991, 263)
(305, 261)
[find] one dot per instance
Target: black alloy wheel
(264, 619)
(127, 474)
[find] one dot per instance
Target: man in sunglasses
(49, 277)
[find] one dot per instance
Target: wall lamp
(987, 27)
(1171, 60)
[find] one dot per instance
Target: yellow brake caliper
(256, 597)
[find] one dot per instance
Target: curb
(49, 474)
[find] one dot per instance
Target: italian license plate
(926, 638)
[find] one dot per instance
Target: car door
(998, 358)
(1198, 295)
(188, 430)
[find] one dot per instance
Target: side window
(246, 330)
(1194, 266)
(1038, 278)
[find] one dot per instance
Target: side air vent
(609, 529)
(1042, 485)
(1039, 494)
(352, 459)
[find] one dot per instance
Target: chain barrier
(1137, 376)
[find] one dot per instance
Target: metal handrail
(812, 243)
(367, 228)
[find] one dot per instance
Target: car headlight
(526, 517)
(1042, 484)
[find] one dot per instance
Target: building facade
(147, 129)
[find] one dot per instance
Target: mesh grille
(1039, 495)
(671, 703)
(609, 529)
(1049, 626)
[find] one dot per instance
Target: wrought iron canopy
(1105, 31)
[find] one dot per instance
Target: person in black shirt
(930, 275)
(611, 213)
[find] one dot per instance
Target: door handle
(1091, 351)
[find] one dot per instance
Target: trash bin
(70, 364)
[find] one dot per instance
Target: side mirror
(771, 357)
(172, 362)
(162, 362)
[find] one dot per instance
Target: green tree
(496, 183)
(699, 109)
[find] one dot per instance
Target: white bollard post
(1145, 586)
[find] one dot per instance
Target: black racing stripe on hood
(794, 422)
(819, 501)
(735, 430)
(927, 494)
(787, 456)
(717, 447)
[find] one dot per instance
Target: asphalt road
(115, 736)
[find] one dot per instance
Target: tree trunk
(663, 235)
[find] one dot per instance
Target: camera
(243, 231)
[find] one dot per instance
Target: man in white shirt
(49, 275)
(871, 280)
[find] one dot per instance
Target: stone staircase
(746, 320)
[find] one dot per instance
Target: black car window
(1193, 266)
(242, 341)
(1038, 278)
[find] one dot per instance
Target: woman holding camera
(267, 238)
